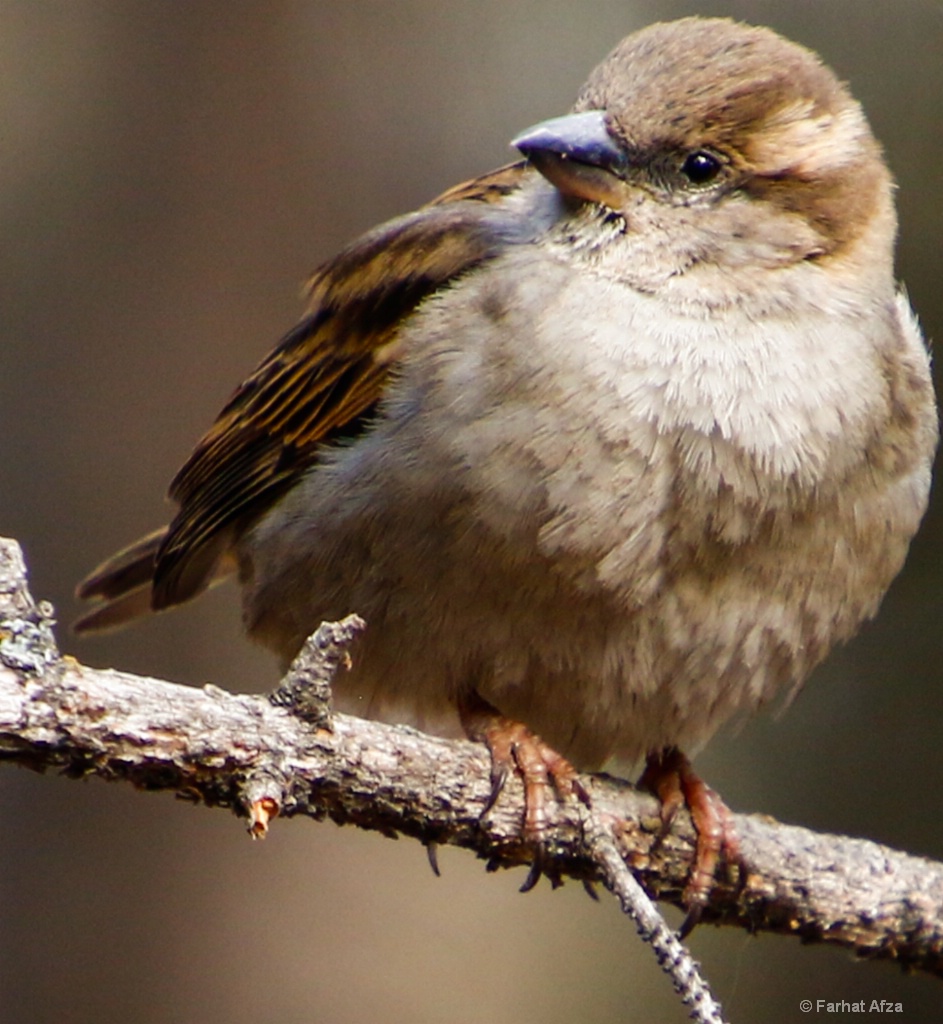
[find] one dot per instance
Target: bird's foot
(542, 770)
(669, 775)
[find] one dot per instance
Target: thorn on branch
(27, 643)
(306, 689)
(261, 813)
(263, 795)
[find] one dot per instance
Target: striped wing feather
(322, 382)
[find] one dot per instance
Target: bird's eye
(700, 167)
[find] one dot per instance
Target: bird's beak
(578, 156)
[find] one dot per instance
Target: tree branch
(288, 755)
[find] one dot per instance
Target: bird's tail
(121, 586)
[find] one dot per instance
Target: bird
(607, 446)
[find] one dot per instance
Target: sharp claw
(582, 793)
(499, 776)
(590, 889)
(432, 852)
(536, 870)
(691, 921)
(556, 879)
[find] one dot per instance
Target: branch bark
(288, 754)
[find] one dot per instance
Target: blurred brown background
(169, 174)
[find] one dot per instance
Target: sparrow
(607, 446)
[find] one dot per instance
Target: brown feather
(322, 382)
(126, 570)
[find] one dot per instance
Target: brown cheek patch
(819, 162)
(840, 205)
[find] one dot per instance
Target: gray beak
(581, 137)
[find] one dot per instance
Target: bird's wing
(326, 376)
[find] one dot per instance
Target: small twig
(306, 688)
(673, 956)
